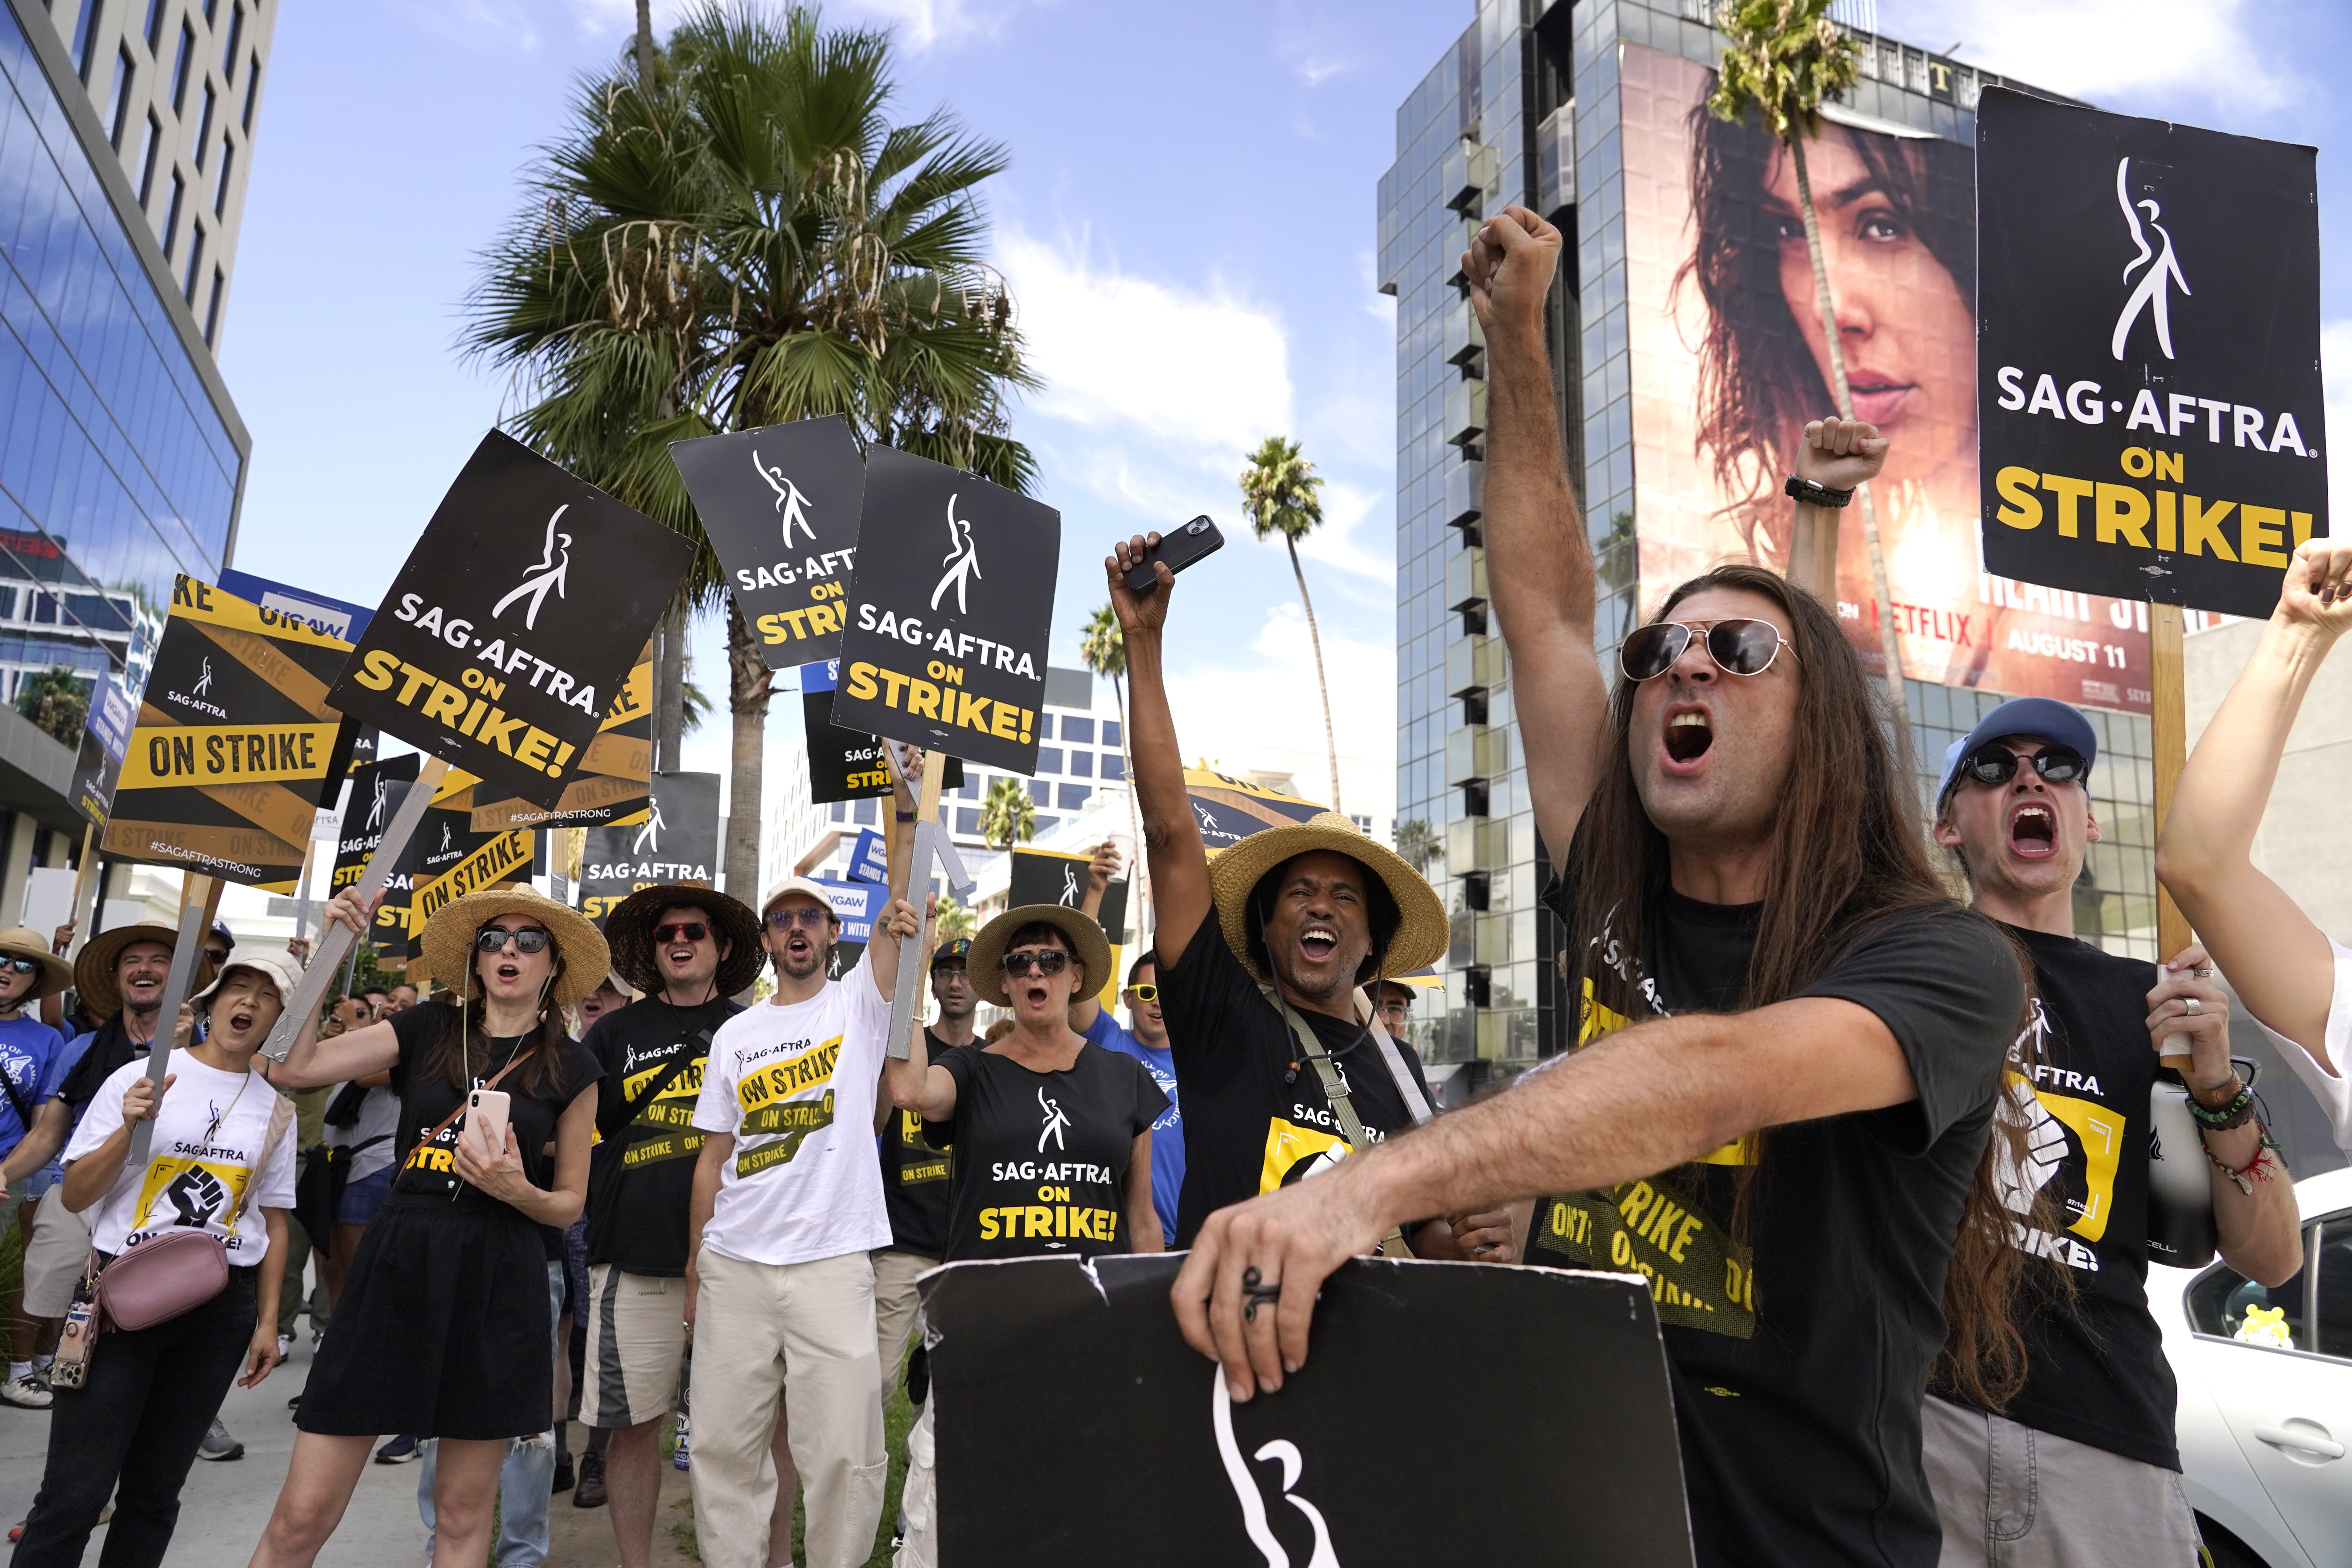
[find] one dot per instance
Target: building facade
(123, 458)
(1591, 112)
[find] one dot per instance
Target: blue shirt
(28, 1048)
(1168, 1132)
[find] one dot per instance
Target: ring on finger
(2203, 973)
(2192, 1005)
(1256, 1294)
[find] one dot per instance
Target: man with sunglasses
(684, 949)
(788, 1210)
(2092, 1425)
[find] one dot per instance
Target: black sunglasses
(1739, 646)
(1995, 763)
(690, 930)
(26, 965)
(531, 939)
(1044, 959)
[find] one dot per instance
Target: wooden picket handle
(199, 897)
(83, 871)
(2168, 723)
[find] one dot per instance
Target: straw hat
(984, 963)
(93, 970)
(629, 928)
(24, 942)
(1422, 935)
(449, 939)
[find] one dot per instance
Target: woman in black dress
(443, 1329)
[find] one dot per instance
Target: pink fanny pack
(171, 1272)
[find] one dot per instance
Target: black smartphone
(1179, 549)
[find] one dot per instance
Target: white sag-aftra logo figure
(204, 682)
(790, 500)
(375, 811)
(1069, 898)
(1281, 1450)
(963, 561)
(537, 580)
(649, 836)
(2152, 294)
(1057, 1122)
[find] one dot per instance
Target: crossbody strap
(491, 1082)
(16, 1100)
(1335, 1089)
(279, 1116)
(644, 1103)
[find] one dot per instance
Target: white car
(2265, 1413)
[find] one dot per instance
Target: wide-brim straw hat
(449, 940)
(629, 928)
(1421, 935)
(24, 942)
(93, 970)
(984, 963)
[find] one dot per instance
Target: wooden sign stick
(84, 870)
(2168, 716)
(929, 844)
(199, 897)
(336, 939)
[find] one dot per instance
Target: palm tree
(57, 702)
(738, 238)
(1282, 495)
(1418, 843)
(1785, 57)
(955, 920)
(1008, 816)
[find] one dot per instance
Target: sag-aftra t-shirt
(794, 1087)
(205, 1150)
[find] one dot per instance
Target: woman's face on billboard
(1909, 341)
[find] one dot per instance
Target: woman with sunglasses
(444, 1326)
(1049, 1137)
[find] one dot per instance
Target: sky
(1188, 227)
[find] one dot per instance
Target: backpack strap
(1335, 1089)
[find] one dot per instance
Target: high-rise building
(1682, 351)
(121, 457)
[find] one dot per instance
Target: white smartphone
(486, 1119)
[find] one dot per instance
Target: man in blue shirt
(1145, 1041)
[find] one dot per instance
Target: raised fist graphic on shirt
(197, 1194)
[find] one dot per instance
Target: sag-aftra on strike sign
(2147, 355)
(779, 506)
(517, 615)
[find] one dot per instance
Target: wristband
(1811, 494)
(2235, 1113)
(906, 816)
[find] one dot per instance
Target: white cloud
(2336, 366)
(1242, 712)
(921, 24)
(1188, 380)
(2101, 48)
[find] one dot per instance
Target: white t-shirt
(795, 1088)
(380, 1122)
(206, 1146)
(2332, 1091)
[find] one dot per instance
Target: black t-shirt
(429, 1170)
(109, 1047)
(915, 1177)
(1040, 1159)
(641, 1180)
(1798, 1361)
(1255, 1117)
(2096, 1374)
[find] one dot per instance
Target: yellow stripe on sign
(226, 754)
(192, 600)
(491, 864)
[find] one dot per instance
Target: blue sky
(1188, 225)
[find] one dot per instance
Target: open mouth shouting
(681, 956)
(1031, 994)
(1689, 735)
(507, 971)
(1317, 940)
(240, 1021)
(2032, 831)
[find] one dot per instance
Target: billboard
(1727, 360)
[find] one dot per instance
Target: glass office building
(1592, 112)
(121, 457)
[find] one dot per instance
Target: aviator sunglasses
(687, 931)
(796, 915)
(1995, 763)
(1739, 646)
(1046, 961)
(490, 939)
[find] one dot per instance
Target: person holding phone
(444, 1326)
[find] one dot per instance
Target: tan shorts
(55, 1256)
(637, 1344)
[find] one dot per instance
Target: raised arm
(1100, 874)
(1171, 834)
(2279, 962)
(1539, 562)
(898, 921)
(916, 1084)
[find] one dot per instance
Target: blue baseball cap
(2043, 716)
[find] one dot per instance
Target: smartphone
(486, 1118)
(1181, 549)
(71, 1365)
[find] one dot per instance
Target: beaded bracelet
(2257, 1169)
(2236, 1113)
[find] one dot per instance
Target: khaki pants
(56, 1257)
(2011, 1497)
(898, 1311)
(920, 1501)
(804, 1330)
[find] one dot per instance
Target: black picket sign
(949, 613)
(846, 764)
(1054, 1380)
(780, 507)
(2148, 387)
(678, 842)
(375, 793)
(1056, 877)
(517, 615)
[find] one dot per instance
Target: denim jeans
(526, 1478)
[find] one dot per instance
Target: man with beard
(120, 974)
(686, 949)
(1793, 1040)
(788, 1209)
(2094, 1424)
(915, 1174)
(1257, 962)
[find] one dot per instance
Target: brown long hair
(459, 1047)
(1845, 856)
(1758, 382)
